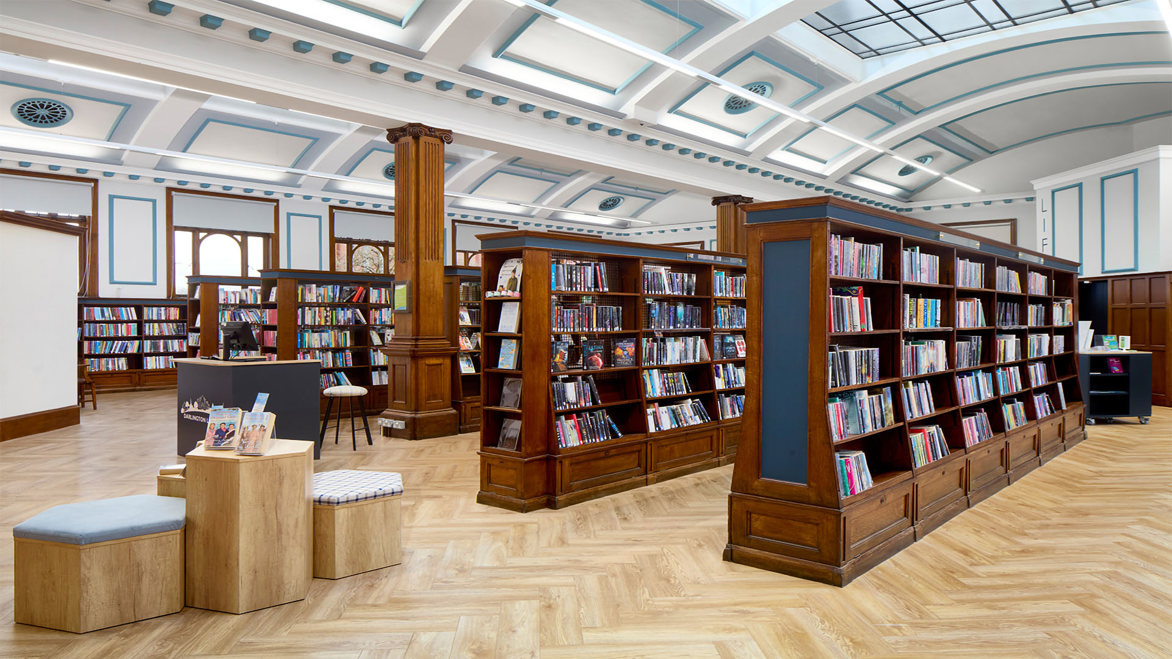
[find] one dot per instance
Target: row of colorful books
(920, 267)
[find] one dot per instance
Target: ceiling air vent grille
(610, 203)
(737, 105)
(389, 171)
(42, 112)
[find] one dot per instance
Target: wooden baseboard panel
(37, 422)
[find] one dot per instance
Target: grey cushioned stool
(96, 564)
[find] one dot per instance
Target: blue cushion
(106, 519)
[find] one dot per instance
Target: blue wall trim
(818, 88)
(785, 308)
(289, 238)
(113, 125)
(884, 93)
(1054, 225)
(1134, 174)
(502, 53)
(312, 139)
(831, 118)
(154, 241)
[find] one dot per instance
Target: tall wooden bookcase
(212, 300)
(462, 295)
(128, 344)
(542, 472)
(788, 511)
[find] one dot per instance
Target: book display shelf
(935, 369)
(604, 366)
(339, 319)
(212, 300)
(1116, 383)
(129, 344)
(462, 294)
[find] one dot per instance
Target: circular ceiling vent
(611, 203)
(389, 171)
(42, 112)
(737, 105)
(908, 170)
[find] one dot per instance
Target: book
(739, 342)
(1110, 342)
(510, 434)
(593, 352)
(624, 353)
(1124, 342)
(256, 432)
(465, 318)
(510, 314)
(508, 356)
(1114, 365)
(560, 356)
(466, 365)
(258, 405)
(508, 280)
(223, 424)
(511, 393)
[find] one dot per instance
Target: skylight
(869, 28)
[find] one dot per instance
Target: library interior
(714, 328)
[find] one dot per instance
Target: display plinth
(292, 386)
(249, 527)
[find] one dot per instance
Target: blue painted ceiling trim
(501, 53)
(930, 181)
(114, 124)
(401, 22)
(482, 181)
(610, 180)
(515, 162)
(818, 89)
(831, 118)
(883, 93)
(946, 126)
(313, 140)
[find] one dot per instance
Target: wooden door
(1139, 308)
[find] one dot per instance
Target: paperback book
(256, 433)
(511, 393)
(508, 356)
(223, 427)
(508, 280)
(510, 434)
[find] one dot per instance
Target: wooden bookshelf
(301, 308)
(129, 343)
(462, 302)
(212, 300)
(542, 471)
(788, 510)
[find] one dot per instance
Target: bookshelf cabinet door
(596, 469)
(681, 451)
(938, 488)
(884, 515)
(1050, 435)
(987, 471)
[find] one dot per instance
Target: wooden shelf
(791, 482)
(541, 474)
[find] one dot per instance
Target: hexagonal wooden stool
(96, 564)
(356, 521)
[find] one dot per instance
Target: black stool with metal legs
(350, 392)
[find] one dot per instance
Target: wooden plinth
(419, 389)
(80, 588)
(356, 537)
(171, 485)
(249, 527)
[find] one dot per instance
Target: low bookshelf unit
(130, 344)
(935, 368)
(605, 366)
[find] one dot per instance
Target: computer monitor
(237, 337)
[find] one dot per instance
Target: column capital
(418, 130)
(731, 199)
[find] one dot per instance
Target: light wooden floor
(1074, 561)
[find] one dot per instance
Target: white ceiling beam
(464, 31)
(161, 125)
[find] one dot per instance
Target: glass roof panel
(869, 28)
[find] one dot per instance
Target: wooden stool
(355, 522)
(96, 564)
(350, 392)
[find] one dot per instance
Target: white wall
(1019, 211)
(38, 295)
(1114, 216)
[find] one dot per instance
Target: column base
(420, 425)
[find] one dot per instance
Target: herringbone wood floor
(1075, 560)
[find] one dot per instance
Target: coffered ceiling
(293, 96)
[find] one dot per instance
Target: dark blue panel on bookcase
(785, 305)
